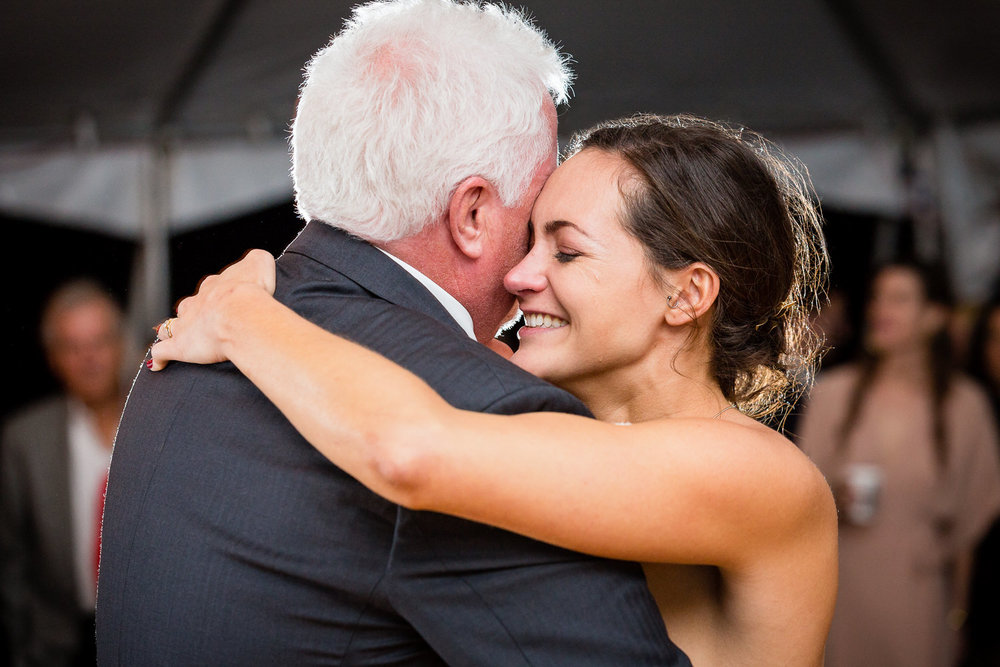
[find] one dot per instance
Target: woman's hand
(205, 321)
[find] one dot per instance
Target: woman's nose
(526, 276)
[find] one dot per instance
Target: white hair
(411, 98)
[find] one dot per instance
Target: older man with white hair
(424, 132)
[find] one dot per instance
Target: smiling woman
(671, 266)
(579, 251)
(707, 212)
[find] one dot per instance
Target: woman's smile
(534, 321)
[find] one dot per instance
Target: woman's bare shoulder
(793, 464)
(779, 558)
(781, 490)
(739, 439)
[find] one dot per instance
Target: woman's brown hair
(703, 191)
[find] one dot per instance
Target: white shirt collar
(450, 303)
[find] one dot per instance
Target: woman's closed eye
(566, 256)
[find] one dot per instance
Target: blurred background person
(55, 456)
(909, 446)
(982, 639)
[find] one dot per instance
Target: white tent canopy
(146, 118)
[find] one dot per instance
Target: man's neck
(432, 253)
(457, 311)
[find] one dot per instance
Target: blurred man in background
(55, 456)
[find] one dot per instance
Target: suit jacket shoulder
(474, 592)
(214, 496)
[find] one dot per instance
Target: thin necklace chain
(731, 406)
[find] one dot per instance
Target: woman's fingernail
(149, 364)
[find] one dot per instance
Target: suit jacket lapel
(369, 267)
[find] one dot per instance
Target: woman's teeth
(544, 321)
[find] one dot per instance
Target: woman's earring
(670, 301)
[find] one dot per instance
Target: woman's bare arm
(678, 490)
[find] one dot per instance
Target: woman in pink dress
(910, 448)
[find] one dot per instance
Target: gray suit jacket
(229, 540)
(40, 609)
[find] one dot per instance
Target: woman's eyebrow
(553, 226)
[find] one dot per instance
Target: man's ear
(469, 212)
(693, 290)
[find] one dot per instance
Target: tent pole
(151, 275)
